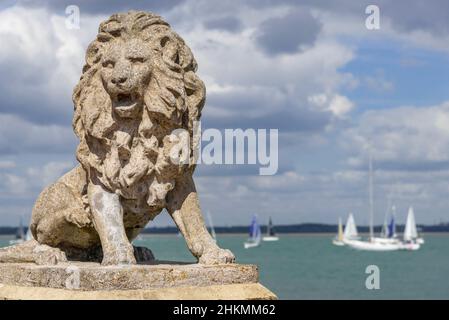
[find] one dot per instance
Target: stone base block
(248, 291)
(161, 280)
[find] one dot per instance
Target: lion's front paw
(118, 257)
(217, 256)
(46, 255)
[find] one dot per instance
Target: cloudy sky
(311, 69)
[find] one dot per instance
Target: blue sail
(391, 228)
(254, 228)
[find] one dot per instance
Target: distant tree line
(293, 228)
(300, 228)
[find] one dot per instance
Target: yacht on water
(338, 240)
(20, 236)
(271, 235)
(388, 240)
(388, 234)
(349, 233)
(29, 235)
(371, 244)
(211, 226)
(255, 235)
(411, 240)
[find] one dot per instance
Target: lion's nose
(119, 79)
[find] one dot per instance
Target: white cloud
(7, 164)
(378, 82)
(14, 184)
(402, 135)
(50, 172)
(20, 136)
(42, 60)
(32, 180)
(233, 65)
(339, 105)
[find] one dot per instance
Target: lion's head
(138, 85)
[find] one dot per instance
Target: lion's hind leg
(32, 251)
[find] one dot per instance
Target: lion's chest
(136, 214)
(132, 169)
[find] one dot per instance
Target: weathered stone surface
(92, 276)
(136, 107)
(246, 291)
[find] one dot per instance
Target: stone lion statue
(137, 88)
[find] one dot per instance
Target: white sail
(371, 201)
(29, 235)
(211, 225)
(384, 231)
(21, 234)
(339, 238)
(350, 228)
(410, 232)
(340, 230)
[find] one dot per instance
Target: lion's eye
(108, 64)
(136, 59)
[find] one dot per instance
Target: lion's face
(138, 85)
(125, 73)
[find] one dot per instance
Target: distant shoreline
(309, 234)
(303, 228)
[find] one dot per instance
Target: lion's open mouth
(125, 101)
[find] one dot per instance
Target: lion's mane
(173, 100)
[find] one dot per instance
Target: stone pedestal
(156, 281)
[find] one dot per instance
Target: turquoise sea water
(310, 267)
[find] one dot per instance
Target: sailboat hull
(338, 243)
(248, 245)
(410, 246)
(386, 240)
(270, 238)
(372, 246)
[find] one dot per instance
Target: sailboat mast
(269, 227)
(211, 226)
(371, 202)
(384, 231)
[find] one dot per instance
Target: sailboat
(338, 240)
(349, 233)
(254, 234)
(372, 244)
(29, 235)
(20, 236)
(271, 236)
(388, 234)
(410, 232)
(211, 226)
